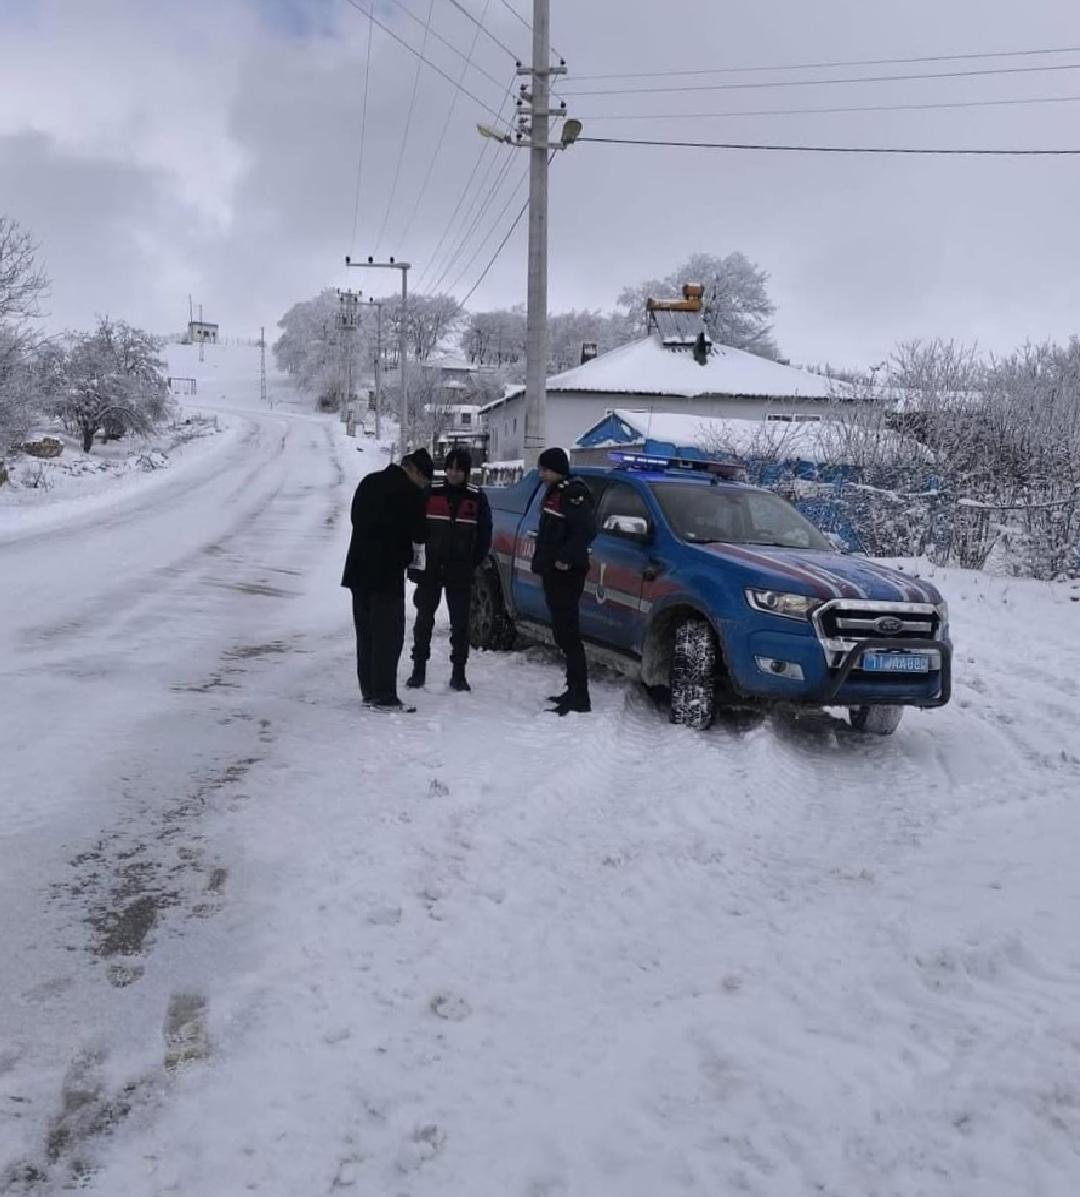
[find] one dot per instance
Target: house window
(466, 419)
(515, 423)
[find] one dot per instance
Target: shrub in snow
(114, 381)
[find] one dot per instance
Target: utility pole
(378, 306)
(262, 364)
(348, 322)
(403, 337)
(538, 97)
(534, 118)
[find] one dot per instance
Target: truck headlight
(791, 606)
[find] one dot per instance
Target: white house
(662, 374)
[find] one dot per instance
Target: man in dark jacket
(387, 520)
(458, 539)
(567, 528)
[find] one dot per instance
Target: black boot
(556, 699)
(578, 702)
(419, 676)
(458, 681)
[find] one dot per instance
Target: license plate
(895, 663)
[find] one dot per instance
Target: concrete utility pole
(262, 364)
(348, 322)
(534, 117)
(403, 337)
(377, 305)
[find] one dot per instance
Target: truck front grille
(842, 623)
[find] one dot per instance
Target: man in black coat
(561, 558)
(387, 520)
(458, 539)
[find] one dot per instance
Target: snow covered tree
(736, 305)
(23, 285)
(114, 381)
(495, 338)
(431, 320)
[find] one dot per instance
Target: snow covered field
(481, 951)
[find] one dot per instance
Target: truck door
(527, 588)
(611, 606)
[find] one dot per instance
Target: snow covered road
(483, 951)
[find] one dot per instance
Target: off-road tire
(694, 674)
(875, 721)
(490, 626)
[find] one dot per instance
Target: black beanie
(420, 459)
(555, 459)
(460, 459)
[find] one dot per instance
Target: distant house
(675, 368)
(455, 380)
(458, 426)
(795, 444)
(201, 330)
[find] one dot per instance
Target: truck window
(710, 514)
(620, 499)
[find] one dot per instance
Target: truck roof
(684, 477)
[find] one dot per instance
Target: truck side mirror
(633, 527)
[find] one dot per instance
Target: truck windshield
(709, 514)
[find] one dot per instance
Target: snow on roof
(645, 367)
(819, 441)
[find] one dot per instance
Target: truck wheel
(490, 626)
(693, 675)
(875, 721)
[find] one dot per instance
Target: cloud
(213, 147)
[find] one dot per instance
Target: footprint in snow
(450, 1008)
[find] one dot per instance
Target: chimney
(588, 351)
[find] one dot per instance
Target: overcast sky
(212, 148)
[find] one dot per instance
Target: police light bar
(728, 470)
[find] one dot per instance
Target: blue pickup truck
(722, 593)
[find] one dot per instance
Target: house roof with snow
(646, 367)
(678, 434)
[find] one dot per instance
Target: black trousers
(426, 599)
(379, 616)
(562, 591)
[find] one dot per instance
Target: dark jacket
(458, 533)
(387, 518)
(567, 527)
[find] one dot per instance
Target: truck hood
(822, 574)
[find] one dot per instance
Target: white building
(662, 374)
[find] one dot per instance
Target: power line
(641, 91)
(405, 135)
(480, 25)
(363, 138)
(495, 256)
(449, 45)
(442, 136)
(511, 9)
(827, 149)
(522, 180)
(487, 144)
(427, 61)
(813, 66)
(481, 212)
(813, 111)
(502, 245)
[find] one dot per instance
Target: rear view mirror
(632, 526)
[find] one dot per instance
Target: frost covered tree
(114, 381)
(312, 349)
(495, 338)
(431, 321)
(736, 306)
(23, 285)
